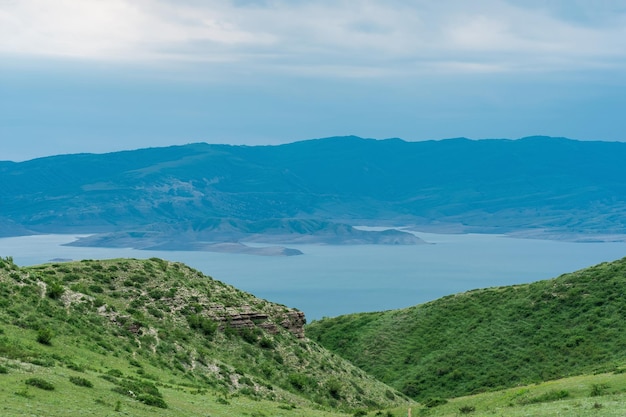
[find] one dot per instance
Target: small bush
(115, 372)
(466, 409)
(244, 380)
(299, 381)
(360, 413)
(152, 400)
(81, 382)
(334, 388)
(204, 324)
(4, 370)
(40, 383)
(266, 343)
(598, 389)
(55, 290)
(75, 367)
(44, 336)
(223, 401)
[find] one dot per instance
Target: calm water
(333, 280)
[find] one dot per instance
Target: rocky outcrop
(291, 320)
(294, 321)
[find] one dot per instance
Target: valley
(111, 299)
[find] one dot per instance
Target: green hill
(490, 339)
(153, 336)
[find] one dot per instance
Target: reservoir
(333, 280)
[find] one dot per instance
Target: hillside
(315, 191)
(142, 330)
(490, 339)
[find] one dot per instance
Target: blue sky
(99, 76)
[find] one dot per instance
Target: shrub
(81, 382)
(40, 383)
(204, 324)
(44, 336)
(95, 289)
(411, 389)
(248, 335)
(152, 400)
(75, 367)
(155, 312)
(299, 381)
(4, 370)
(244, 380)
(223, 401)
(334, 388)
(266, 343)
(598, 389)
(466, 409)
(115, 372)
(55, 290)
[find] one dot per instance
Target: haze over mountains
(200, 196)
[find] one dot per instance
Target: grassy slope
(153, 327)
(580, 396)
(493, 338)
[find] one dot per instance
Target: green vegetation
(44, 336)
(81, 382)
(213, 350)
(564, 397)
(490, 339)
(40, 383)
(151, 336)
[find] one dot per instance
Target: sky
(107, 75)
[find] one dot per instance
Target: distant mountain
(490, 339)
(554, 186)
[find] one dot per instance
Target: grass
(109, 355)
(100, 400)
(490, 339)
(538, 400)
(153, 332)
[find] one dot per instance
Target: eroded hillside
(160, 322)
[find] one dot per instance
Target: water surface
(333, 280)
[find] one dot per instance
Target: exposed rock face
(294, 322)
(291, 320)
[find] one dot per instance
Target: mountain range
(200, 196)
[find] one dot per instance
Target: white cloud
(342, 37)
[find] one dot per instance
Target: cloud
(368, 38)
